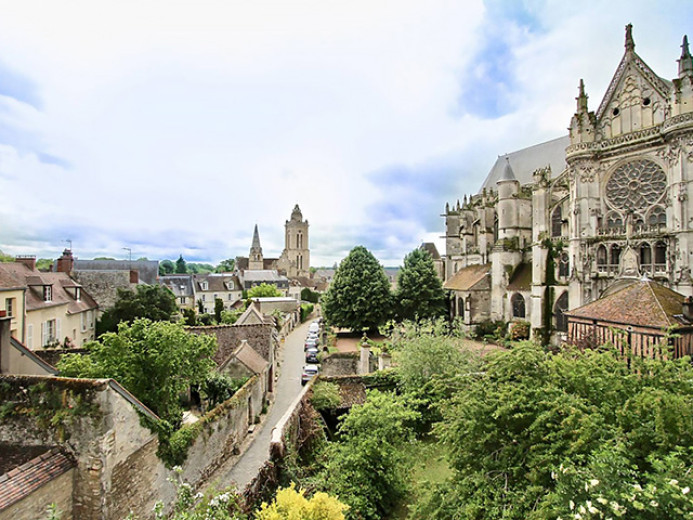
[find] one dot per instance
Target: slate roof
(522, 278)
(9, 281)
(242, 263)
(466, 278)
(21, 481)
(524, 162)
(217, 282)
(432, 250)
(60, 282)
(179, 284)
(147, 270)
(644, 303)
(247, 356)
(265, 275)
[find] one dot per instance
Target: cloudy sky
(175, 126)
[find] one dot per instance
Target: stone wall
(340, 364)
(229, 337)
(58, 491)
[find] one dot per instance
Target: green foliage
(537, 435)
(230, 317)
(6, 258)
(519, 330)
(359, 297)
(226, 266)
(309, 296)
(189, 317)
(306, 309)
(44, 264)
(490, 330)
(156, 361)
(153, 302)
(264, 290)
(181, 266)
(291, 504)
(166, 267)
(366, 467)
(325, 396)
(218, 309)
(419, 292)
(217, 387)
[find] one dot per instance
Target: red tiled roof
(644, 303)
(25, 479)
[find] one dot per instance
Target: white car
(314, 327)
(308, 372)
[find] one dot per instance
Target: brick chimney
(27, 260)
(687, 310)
(66, 262)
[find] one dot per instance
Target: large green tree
(181, 265)
(226, 266)
(419, 292)
(264, 290)
(166, 267)
(359, 296)
(156, 361)
(154, 302)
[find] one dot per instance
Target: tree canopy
(181, 265)
(166, 267)
(226, 266)
(153, 302)
(156, 361)
(264, 290)
(292, 504)
(419, 292)
(359, 296)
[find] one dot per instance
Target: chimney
(134, 276)
(687, 310)
(66, 262)
(27, 260)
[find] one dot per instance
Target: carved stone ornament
(629, 265)
(636, 185)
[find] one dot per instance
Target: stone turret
(583, 124)
(255, 258)
(508, 188)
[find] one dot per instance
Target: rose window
(636, 185)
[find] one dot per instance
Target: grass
(428, 466)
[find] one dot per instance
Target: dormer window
(204, 286)
(78, 293)
(47, 293)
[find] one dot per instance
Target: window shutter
(57, 330)
(44, 332)
(30, 336)
(82, 321)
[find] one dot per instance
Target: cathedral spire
(630, 43)
(256, 239)
(686, 61)
(582, 98)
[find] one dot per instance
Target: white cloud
(181, 124)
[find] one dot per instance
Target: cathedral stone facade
(563, 223)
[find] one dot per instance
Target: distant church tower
(296, 254)
(255, 259)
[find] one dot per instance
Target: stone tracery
(636, 185)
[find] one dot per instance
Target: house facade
(554, 219)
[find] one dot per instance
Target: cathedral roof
(466, 278)
(658, 306)
(525, 162)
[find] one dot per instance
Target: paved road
(287, 388)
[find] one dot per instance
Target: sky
(166, 127)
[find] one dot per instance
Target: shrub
(519, 330)
(325, 396)
(306, 309)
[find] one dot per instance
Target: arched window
(645, 254)
(559, 311)
(564, 265)
(615, 254)
(614, 220)
(638, 221)
(557, 222)
(460, 307)
(658, 216)
(660, 253)
(518, 304)
(601, 255)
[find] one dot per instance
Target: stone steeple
(630, 43)
(686, 61)
(255, 259)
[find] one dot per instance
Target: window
(9, 306)
(559, 312)
(460, 307)
(47, 293)
(203, 297)
(50, 331)
(90, 319)
(601, 255)
(645, 254)
(182, 300)
(82, 322)
(615, 254)
(78, 293)
(563, 265)
(557, 222)
(518, 305)
(230, 296)
(204, 286)
(30, 336)
(660, 253)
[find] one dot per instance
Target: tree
(366, 468)
(218, 308)
(181, 266)
(359, 297)
(154, 302)
(419, 292)
(226, 266)
(156, 361)
(264, 290)
(309, 296)
(166, 267)
(290, 504)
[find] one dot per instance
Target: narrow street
(288, 386)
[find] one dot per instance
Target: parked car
(311, 343)
(308, 372)
(312, 355)
(314, 327)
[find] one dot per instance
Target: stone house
(183, 288)
(57, 310)
(209, 287)
(567, 209)
(469, 291)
